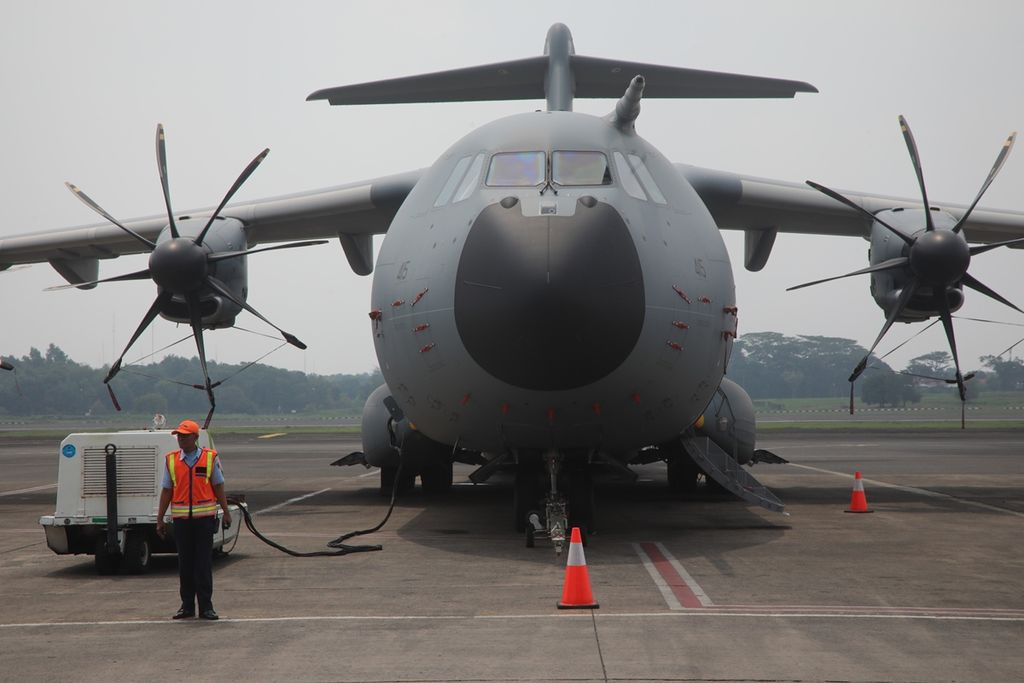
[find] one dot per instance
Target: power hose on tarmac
(339, 545)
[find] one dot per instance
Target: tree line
(50, 383)
(769, 365)
(774, 365)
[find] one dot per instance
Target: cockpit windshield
(516, 169)
(580, 168)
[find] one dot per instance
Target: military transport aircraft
(552, 296)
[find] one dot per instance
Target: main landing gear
(568, 501)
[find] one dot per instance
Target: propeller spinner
(935, 261)
(181, 267)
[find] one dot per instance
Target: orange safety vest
(192, 493)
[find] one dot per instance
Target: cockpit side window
(646, 179)
(471, 179)
(580, 168)
(452, 182)
(629, 182)
(516, 169)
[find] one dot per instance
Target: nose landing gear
(560, 512)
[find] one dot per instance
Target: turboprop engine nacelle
(729, 421)
(228, 236)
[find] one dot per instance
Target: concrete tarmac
(926, 588)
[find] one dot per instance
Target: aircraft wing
(353, 213)
(763, 207)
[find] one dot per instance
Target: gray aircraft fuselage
(533, 301)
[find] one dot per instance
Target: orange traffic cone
(858, 501)
(576, 590)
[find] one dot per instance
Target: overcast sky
(84, 85)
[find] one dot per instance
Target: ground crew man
(193, 487)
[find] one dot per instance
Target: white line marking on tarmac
(28, 490)
(810, 612)
(364, 475)
(289, 501)
(914, 489)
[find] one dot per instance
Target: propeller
(181, 267)
(934, 260)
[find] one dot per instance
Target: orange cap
(187, 427)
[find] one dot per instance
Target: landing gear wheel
(529, 536)
(525, 493)
(136, 553)
(387, 481)
(581, 502)
(437, 477)
(106, 563)
(682, 476)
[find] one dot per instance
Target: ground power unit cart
(117, 476)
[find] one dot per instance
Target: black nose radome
(549, 302)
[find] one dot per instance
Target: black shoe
(184, 613)
(209, 614)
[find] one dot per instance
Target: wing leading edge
(762, 208)
(353, 213)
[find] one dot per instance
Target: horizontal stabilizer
(597, 77)
(558, 76)
(522, 79)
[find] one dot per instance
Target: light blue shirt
(190, 459)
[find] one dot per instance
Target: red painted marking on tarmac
(680, 589)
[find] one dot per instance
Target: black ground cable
(339, 542)
(341, 548)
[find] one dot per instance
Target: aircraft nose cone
(549, 302)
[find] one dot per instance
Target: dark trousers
(194, 538)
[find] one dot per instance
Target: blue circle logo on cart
(68, 451)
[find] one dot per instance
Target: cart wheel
(106, 563)
(136, 553)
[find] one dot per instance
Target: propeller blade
(234, 188)
(195, 318)
(139, 275)
(219, 287)
(916, 160)
(161, 166)
(905, 296)
(225, 255)
(891, 264)
(98, 209)
(947, 324)
(856, 207)
(1003, 153)
(977, 286)
(161, 300)
(982, 248)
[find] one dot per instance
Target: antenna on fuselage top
(628, 106)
